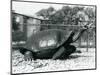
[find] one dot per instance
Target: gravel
(76, 61)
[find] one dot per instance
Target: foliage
(45, 13)
(90, 12)
(68, 15)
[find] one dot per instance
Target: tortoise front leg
(69, 50)
(64, 52)
(59, 53)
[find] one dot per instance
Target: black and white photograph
(52, 37)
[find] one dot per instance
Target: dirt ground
(76, 61)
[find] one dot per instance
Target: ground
(76, 61)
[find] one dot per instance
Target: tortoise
(51, 44)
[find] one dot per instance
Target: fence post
(87, 41)
(25, 27)
(80, 42)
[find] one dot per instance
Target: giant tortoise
(51, 43)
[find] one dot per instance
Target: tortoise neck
(78, 34)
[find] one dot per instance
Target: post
(25, 27)
(87, 41)
(80, 41)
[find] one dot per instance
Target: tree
(45, 13)
(61, 15)
(57, 17)
(70, 14)
(67, 15)
(90, 12)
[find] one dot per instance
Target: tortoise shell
(47, 39)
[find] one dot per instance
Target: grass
(76, 61)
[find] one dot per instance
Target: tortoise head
(88, 26)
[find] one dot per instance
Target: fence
(86, 40)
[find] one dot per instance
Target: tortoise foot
(28, 56)
(69, 50)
